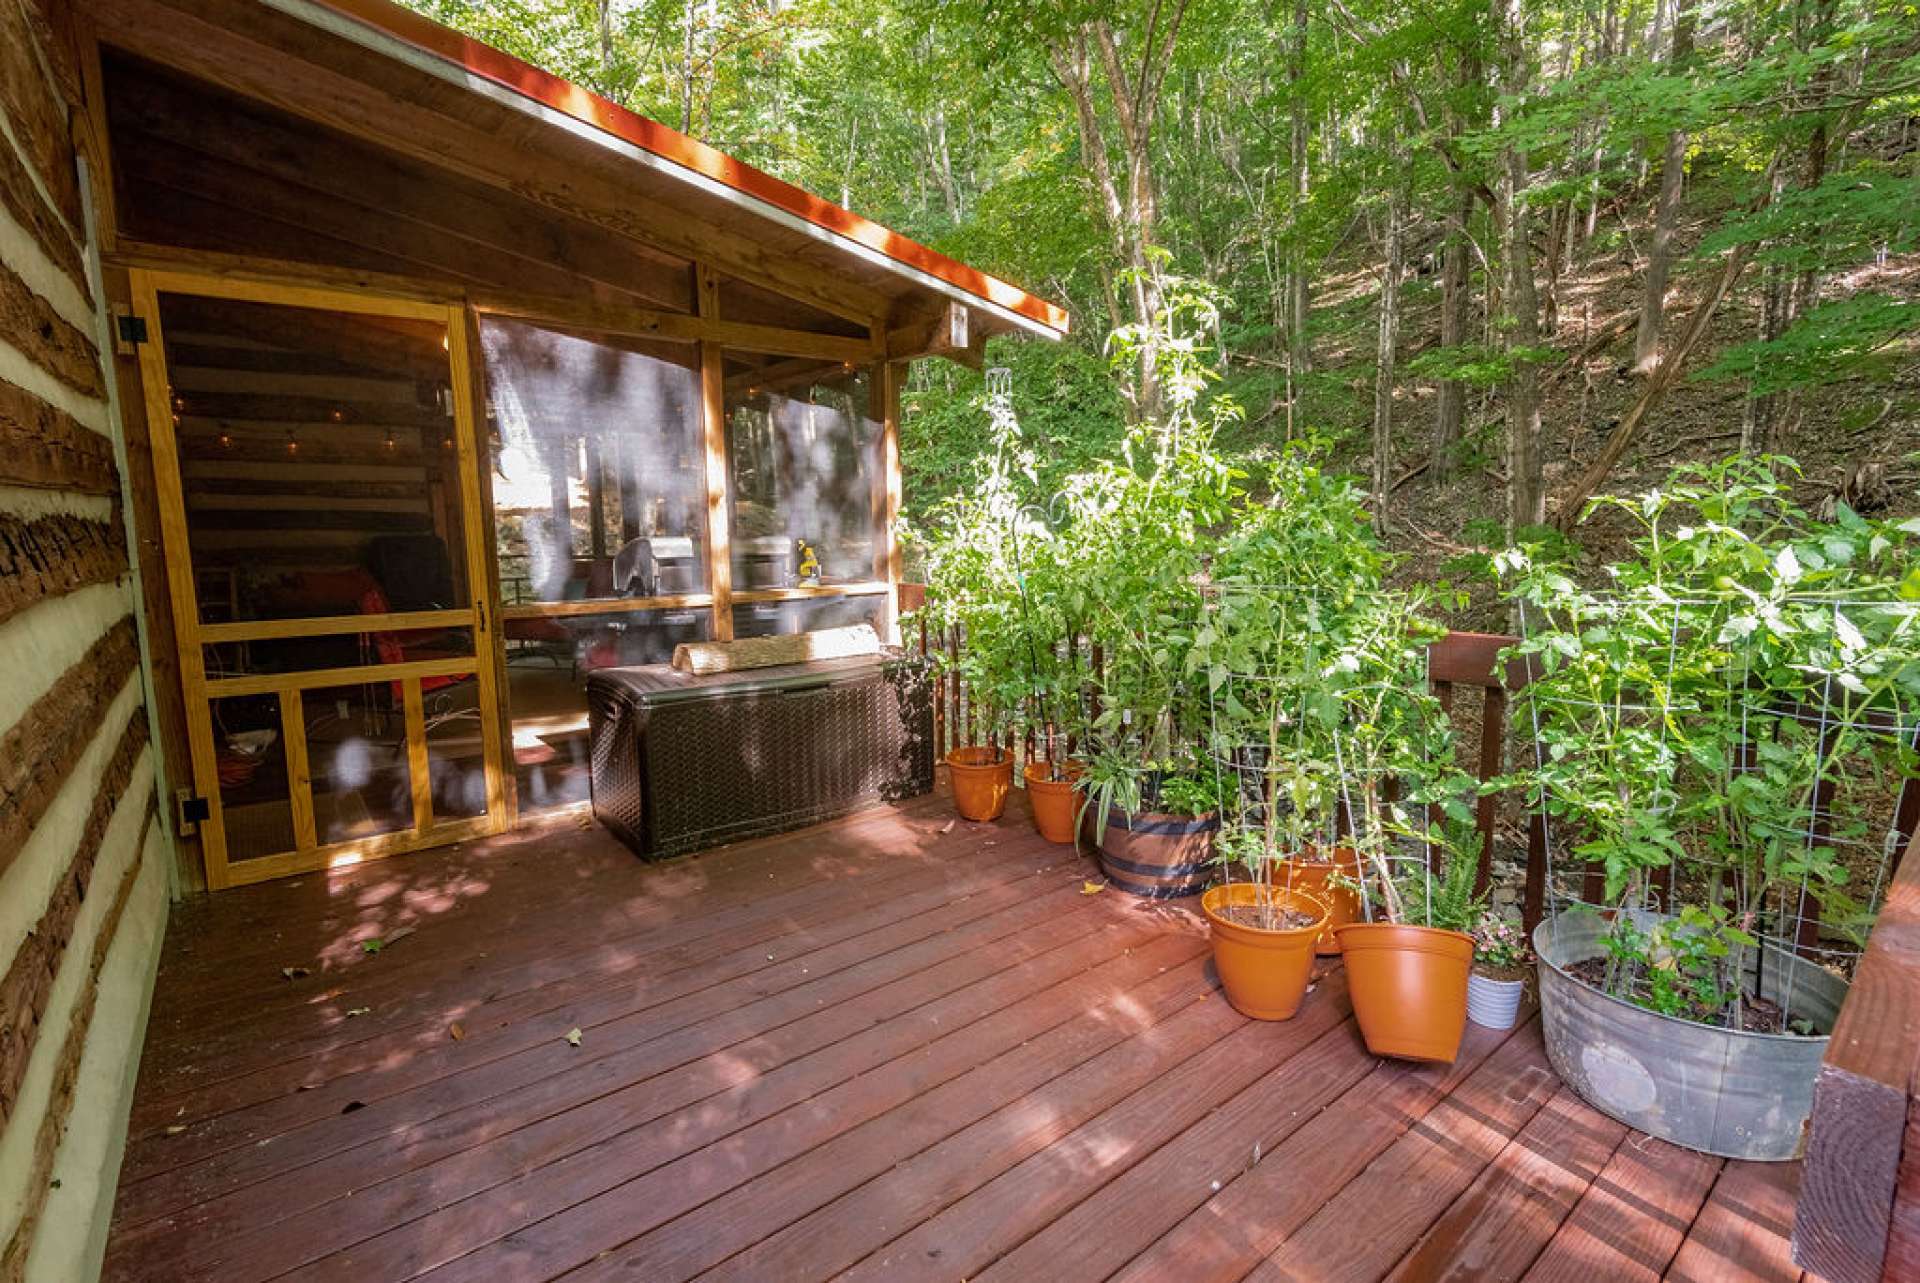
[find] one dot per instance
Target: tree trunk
(1673, 166)
(1389, 336)
(1299, 352)
(1526, 497)
(1451, 405)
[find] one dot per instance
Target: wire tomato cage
(1325, 741)
(1757, 761)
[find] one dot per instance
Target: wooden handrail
(1858, 1218)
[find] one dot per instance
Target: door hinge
(193, 811)
(130, 328)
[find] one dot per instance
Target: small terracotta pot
(1264, 973)
(1315, 878)
(982, 778)
(1409, 987)
(1055, 799)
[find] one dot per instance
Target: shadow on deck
(892, 1046)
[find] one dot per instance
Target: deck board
(891, 1047)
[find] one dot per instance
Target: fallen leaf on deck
(359, 1011)
(1092, 888)
(573, 1036)
(456, 1031)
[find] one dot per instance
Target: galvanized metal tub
(1720, 1091)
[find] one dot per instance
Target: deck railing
(1457, 662)
(1858, 1219)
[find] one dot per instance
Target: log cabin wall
(83, 854)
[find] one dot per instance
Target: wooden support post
(886, 561)
(1858, 1214)
(1493, 734)
(713, 416)
(293, 734)
(419, 770)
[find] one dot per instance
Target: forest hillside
(1491, 256)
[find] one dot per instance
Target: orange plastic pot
(982, 778)
(1409, 988)
(1054, 795)
(1315, 878)
(1264, 973)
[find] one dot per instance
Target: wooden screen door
(314, 453)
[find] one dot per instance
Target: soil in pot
(1263, 946)
(1757, 1015)
(1315, 877)
(1409, 987)
(1053, 794)
(982, 778)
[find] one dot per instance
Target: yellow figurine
(809, 565)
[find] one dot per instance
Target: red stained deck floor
(892, 1047)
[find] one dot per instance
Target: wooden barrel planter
(1154, 854)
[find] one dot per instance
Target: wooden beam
(887, 380)
(480, 556)
(156, 587)
(237, 272)
(719, 510)
(293, 735)
(943, 333)
(675, 327)
(254, 269)
(605, 606)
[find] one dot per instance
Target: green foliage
(1734, 669)
(1477, 365)
(1844, 339)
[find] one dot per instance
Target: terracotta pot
(982, 778)
(1055, 799)
(1155, 854)
(1409, 987)
(1314, 877)
(1264, 973)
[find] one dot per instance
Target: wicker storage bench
(683, 762)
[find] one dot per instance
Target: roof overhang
(441, 52)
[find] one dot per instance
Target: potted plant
(1289, 583)
(1151, 821)
(1500, 966)
(1712, 742)
(1407, 962)
(1263, 942)
(986, 545)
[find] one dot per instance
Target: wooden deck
(893, 1047)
